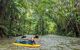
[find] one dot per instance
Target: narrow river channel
(48, 42)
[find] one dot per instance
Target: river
(49, 42)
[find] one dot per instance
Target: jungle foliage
(42, 17)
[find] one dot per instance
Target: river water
(48, 42)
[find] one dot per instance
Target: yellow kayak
(27, 45)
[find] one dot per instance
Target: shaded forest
(20, 17)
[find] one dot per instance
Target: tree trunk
(3, 6)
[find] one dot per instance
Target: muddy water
(48, 42)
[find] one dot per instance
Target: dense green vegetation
(40, 17)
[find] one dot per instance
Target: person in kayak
(28, 40)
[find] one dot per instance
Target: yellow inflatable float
(27, 45)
